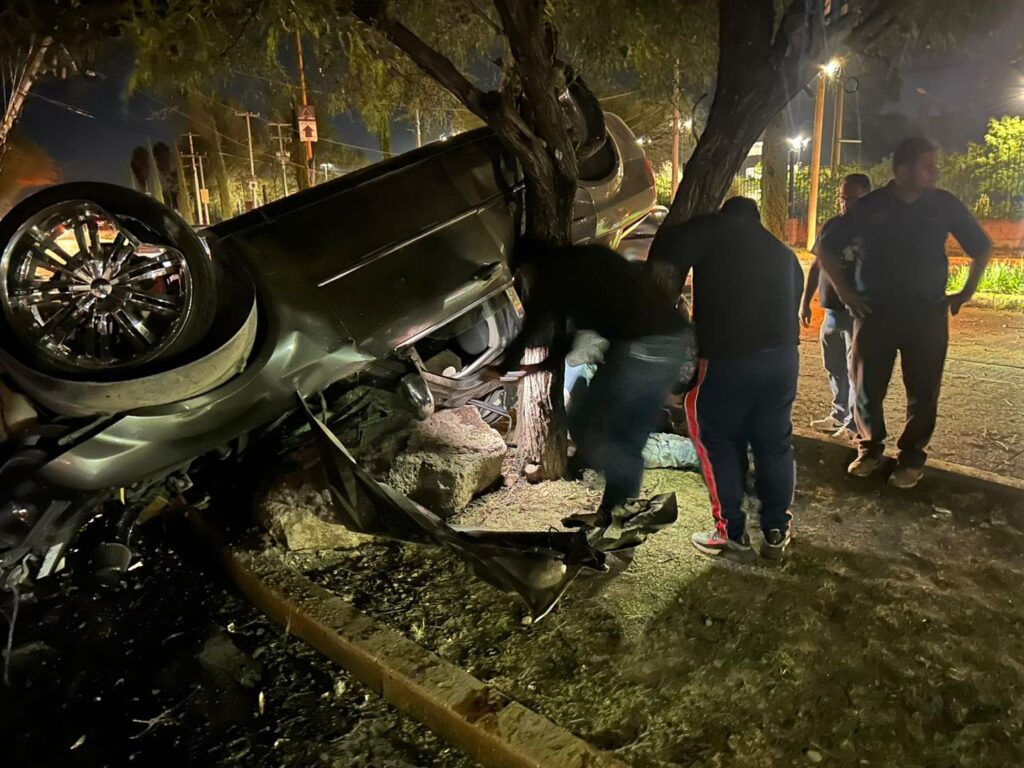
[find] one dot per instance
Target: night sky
(949, 97)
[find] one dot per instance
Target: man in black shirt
(572, 288)
(746, 293)
(899, 300)
(837, 326)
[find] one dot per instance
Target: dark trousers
(611, 419)
(837, 355)
(920, 334)
(745, 401)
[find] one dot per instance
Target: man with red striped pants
(746, 293)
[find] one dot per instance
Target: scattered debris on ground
(174, 669)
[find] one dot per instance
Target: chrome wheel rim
(87, 294)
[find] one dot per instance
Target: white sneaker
(845, 434)
(828, 425)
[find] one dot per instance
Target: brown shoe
(865, 465)
(906, 478)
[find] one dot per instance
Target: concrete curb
(955, 474)
(471, 715)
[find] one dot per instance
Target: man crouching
(571, 288)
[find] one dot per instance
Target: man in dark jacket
(572, 288)
(746, 293)
(899, 300)
(837, 326)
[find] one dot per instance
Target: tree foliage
(769, 50)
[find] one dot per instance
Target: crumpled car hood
(536, 565)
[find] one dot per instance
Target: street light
(831, 69)
(688, 125)
(797, 144)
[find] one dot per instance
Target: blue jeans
(741, 401)
(612, 418)
(837, 355)
(577, 378)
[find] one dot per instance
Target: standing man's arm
(976, 244)
(810, 287)
(829, 249)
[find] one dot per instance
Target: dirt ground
(176, 670)
(981, 409)
(892, 637)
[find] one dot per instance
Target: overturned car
(151, 352)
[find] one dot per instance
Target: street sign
(307, 123)
(204, 196)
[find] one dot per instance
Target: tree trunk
(541, 437)
(734, 123)
(541, 434)
(753, 85)
(156, 187)
(384, 134)
(774, 201)
(28, 78)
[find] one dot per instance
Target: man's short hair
(909, 151)
(858, 180)
(741, 207)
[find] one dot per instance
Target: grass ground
(892, 637)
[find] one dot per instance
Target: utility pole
(195, 176)
(837, 126)
(310, 168)
(281, 154)
(253, 181)
(203, 191)
(419, 136)
(812, 203)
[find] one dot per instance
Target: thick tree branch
(435, 64)
(532, 43)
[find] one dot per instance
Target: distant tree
(40, 38)
(1002, 161)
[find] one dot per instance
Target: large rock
(449, 459)
(298, 517)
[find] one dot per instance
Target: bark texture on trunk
(774, 201)
(541, 437)
(749, 90)
(763, 61)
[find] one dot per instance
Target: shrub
(1002, 277)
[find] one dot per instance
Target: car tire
(150, 287)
